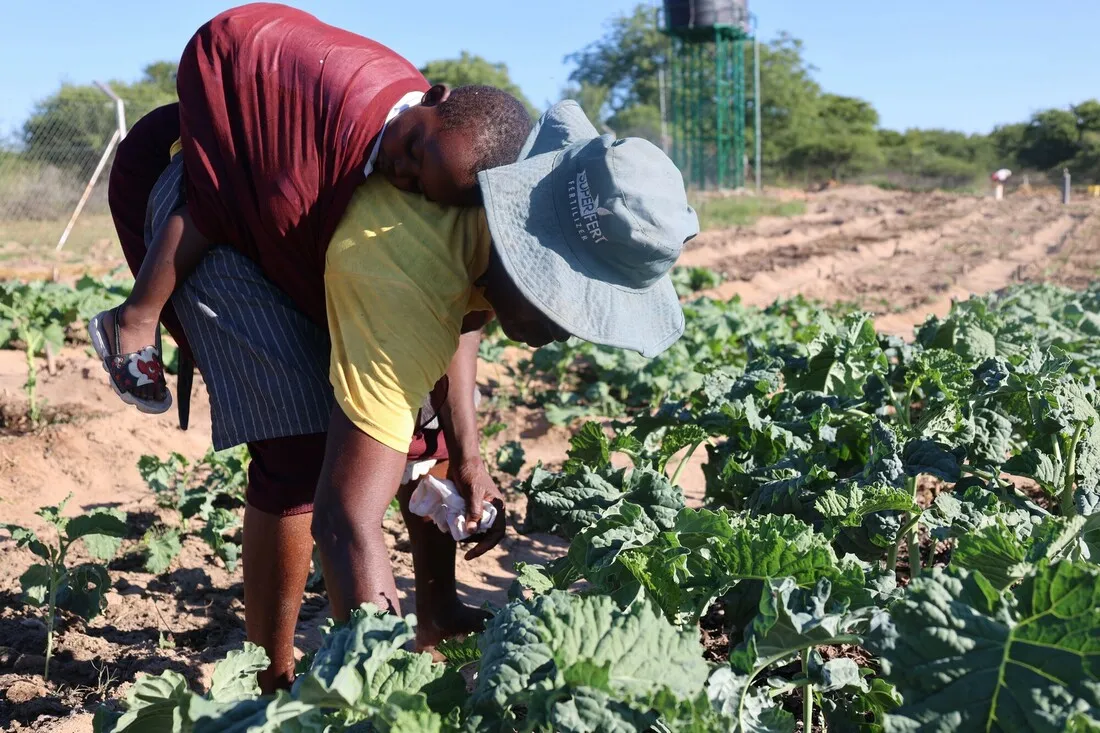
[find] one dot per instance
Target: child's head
(438, 147)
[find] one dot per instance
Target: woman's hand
(476, 486)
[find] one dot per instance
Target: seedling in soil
(79, 589)
(35, 323)
(204, 491)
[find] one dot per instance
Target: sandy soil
(901, 256)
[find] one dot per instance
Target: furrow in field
(819, 230)
(781, 274)
(995, 273)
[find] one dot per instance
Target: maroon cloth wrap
(278, 115)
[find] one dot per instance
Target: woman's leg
(276, 558)
(278, 546)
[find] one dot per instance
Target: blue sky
(967, 64)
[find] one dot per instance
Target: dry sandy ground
(899, 255)
(903, 256)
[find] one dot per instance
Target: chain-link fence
(53, 176)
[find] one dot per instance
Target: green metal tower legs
(707, 105)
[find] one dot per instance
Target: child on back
(275, 138)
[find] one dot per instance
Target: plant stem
(909, 404)
(50, 614)
(683, 462)
(31, 387)
(912, 539)
(807, 695)
(1068, 507)
(914, 554)
(892, 556)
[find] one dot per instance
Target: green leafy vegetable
(81, 589)
(580, 651)
(966, 657)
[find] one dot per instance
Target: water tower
(706, 105)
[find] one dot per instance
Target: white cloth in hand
(439, 500)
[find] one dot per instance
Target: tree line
(809, 134)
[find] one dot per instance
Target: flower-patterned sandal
(128, 371)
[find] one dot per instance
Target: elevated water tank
(684, 14)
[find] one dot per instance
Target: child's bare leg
(439, 613)
(171, 257)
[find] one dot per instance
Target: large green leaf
(566, 503)
(361, 663)
(590, 447)
(992, 437)
(847, 504)
(995, 551)
(101, 521)
(35, 583)
(152, 705)
(560, 641)
(85, 590)
(972, 507)
(596, 548)
(335, 678)
(407, 713)
(27, 538)
(750, 708)
(704, 555)
(791, 619)
(102, 531)
(1003, 557)
(283, 714)
(234, 677)
(679, 436)
(966, 658)
(839, 359)
(1035, 464)
(586, 709)
(162, 546)
(935, 459)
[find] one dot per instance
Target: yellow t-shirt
(398, 281)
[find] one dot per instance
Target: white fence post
(120, 132)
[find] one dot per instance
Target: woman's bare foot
(136, 331)
(453, 621)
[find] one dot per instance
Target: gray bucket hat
(588, 227)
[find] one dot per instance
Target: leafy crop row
(576, 378)
(819, 450)
(39, 317)
(894, 536)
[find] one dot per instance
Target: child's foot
(131, 357)
(456, 621)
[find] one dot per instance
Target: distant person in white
(999, 179)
